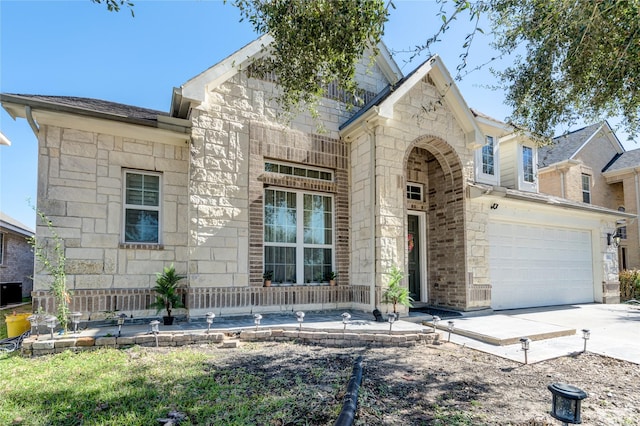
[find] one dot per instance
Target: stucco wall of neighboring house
(80, 189)
(17, 261)
(550, 181)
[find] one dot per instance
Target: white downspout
(34, 126)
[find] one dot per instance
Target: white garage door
(539, 266)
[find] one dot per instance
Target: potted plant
(395, 294)
(331, 277)
(267, 276)
(166, 289)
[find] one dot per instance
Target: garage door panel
(539, 266)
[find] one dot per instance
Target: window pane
(317, 264)
(1, 248)
(280, 260)
(527, 164)
(143, 190)
(317, 219)
(141, 226)
(487, 157)
(280, 222)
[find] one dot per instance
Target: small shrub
(629, 284)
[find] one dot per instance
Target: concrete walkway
(615, 331)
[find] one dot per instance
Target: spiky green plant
(166, 289)
(396, 294)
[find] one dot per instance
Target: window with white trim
(298, 236)
(486, 162)
(586, 188)
(414, 191)
(488, 157)
(292, 170)
(141, 211)
(1, 248)
(527, 164)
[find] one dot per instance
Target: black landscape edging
(350, 400)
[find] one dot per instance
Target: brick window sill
(141, 246)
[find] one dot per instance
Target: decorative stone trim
(227, 339)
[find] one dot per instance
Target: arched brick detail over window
(435, 165)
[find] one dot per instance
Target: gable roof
(195, 89)
(628, 160)
(566, 147)
(383, 104)
(12, 224)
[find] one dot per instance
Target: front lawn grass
(140, 385)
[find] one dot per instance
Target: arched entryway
(436, 267)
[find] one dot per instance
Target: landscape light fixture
(525, 342)
(51, 323)
(256, 320)
(121, 319)
(75, 320)
(450, 328)
(155, 329)
(586, 334)
(436, 320)
(210, 317)
(566, 401)
(35, 322)
(345, 320)
(614, 239)
(300, 318)
(391, 318)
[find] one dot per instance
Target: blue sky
(76, 48)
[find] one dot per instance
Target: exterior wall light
(566, 401)
(51, 323)
(256, 319)
(525, 342)
(345, 320)
(75, 320)
(391, 318)
(436, 320)
(614, 239)
(586, 334)
(210, 317)
(450, 328)
(121, 319)
(36, 320)
(155, 329)
(300, 318)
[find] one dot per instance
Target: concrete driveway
(554, 331)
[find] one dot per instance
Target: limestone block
(399, 339)
(105, 341)
(247, 335)
(145, 338)
(229, 344)
(215, 337)
(84, 253)
(65, 343)
(39, 345)
(291, 334)
(128, 340)
(86, 206)
(85, 341)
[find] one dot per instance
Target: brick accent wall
(17, 261)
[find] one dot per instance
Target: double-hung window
(527, 164)
(586, 188)
(142, 213)
(298, 236)
(486, 162)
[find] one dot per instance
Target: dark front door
(413, 241)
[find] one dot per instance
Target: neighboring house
(223, 190)
(590, 165)
(16, 261)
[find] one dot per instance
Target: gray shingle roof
(564, 147)
(8, 222)
(628, 159)
(91, 105)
